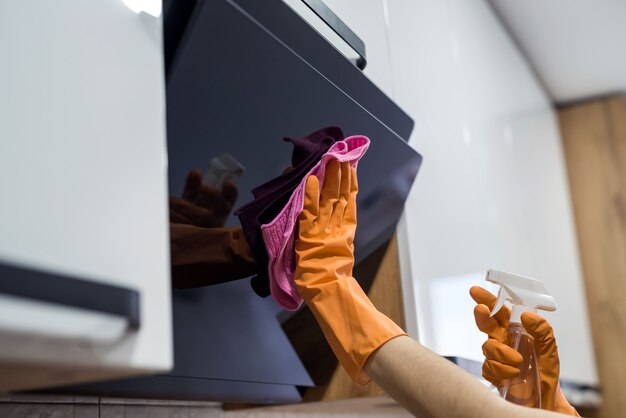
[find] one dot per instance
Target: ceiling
(577, 47)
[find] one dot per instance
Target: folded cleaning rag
(271, 197)
(280, 234)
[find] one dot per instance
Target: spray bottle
(525, 294)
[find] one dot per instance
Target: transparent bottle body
(524, 389)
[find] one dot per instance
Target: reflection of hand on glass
(208, 256)
(201, 205)
(203, 251)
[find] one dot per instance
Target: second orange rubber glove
(352, 325)
(502, 362)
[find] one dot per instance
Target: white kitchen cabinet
(84, 252)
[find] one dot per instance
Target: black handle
(68, 291)
(340, 28)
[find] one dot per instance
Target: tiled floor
(71, 407)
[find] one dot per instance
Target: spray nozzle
(524, 293)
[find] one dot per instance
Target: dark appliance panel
(235, 87)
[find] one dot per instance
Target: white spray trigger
(524, 293)
(502, 296)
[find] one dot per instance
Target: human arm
(430, 386)
(366, 342)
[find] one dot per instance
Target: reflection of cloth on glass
(207, 256)
(279, 235)
(271, 197)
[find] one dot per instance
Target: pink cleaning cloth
(280, 234)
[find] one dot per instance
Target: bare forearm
(430, 386)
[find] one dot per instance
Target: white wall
(492, 191)
(83, 168)
(575, 45)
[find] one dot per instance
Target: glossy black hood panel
(236, 88)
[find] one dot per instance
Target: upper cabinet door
(84, 259)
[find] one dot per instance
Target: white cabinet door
(84, 254)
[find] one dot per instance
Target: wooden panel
(386, 291)
(52, 410)
(61, 407)
(594, 139)
(354, 408)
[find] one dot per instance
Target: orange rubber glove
(353, 327)
(502, 362)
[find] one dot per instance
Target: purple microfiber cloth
(271, 197)
(280, 234)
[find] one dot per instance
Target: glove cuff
(562, 406)
(352, 325)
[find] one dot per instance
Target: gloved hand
(352, 325)
(203, 251)
(502, 362)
